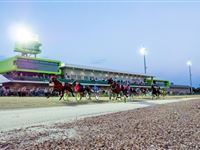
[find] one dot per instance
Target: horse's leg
(125, 96)
(117, 96)
(71, 91)
(120, 95)
(61, 93)
(81, 95)
(50, 93)
(110, 96)
(157, 95)
(89, 93)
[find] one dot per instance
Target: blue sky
(109, 35)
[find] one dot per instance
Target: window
(79, 77)
(73, 77)
(86, 78)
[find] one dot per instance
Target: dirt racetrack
(167, 126)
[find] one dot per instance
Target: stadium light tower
(143, 52)
(26, 42)
(189, 64)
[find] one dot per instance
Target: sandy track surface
(11, 119)
(7, 103)
(169, 126)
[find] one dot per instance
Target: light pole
(143, 52)
(189, 64)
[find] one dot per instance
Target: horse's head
(110, 81)
(87, 88)
(68, 84)
(52, 79)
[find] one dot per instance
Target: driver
(77, 87)
(96, 89)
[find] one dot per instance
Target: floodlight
(143, 51)
(23, 34)
(189, 63)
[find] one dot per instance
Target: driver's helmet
(76, 83)
(52, 77)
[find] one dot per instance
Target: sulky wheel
(78, 96)
(66, 96)
(87, 96)
(96, 97)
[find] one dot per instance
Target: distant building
(179, 89)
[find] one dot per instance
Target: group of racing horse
(116, 90)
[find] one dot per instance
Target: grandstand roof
(103, 70)
(3, 79)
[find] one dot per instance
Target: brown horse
(117, 89)
(156, 91)
(59, 87)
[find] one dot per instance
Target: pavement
(19, 118)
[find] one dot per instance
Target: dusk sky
(109, 34)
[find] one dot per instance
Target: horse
(143, 91)
(155, 91)
(117, 89)
(59, 87)
(163, 92)
(134, 91)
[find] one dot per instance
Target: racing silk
(77, 88)
(95, 89)
(122, 87)
(126, 87)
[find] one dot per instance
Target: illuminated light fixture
(189, 63)
(143, 51)
(22, 33)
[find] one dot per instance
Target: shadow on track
(71, 103)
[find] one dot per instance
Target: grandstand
(179, 89)
(20, 70)
(29, 72)
(91, 75)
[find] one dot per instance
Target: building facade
(179, 89)
(78, 72)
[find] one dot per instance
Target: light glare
(62, 64)
(22, 33)
(189, 63)
(143, 51)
